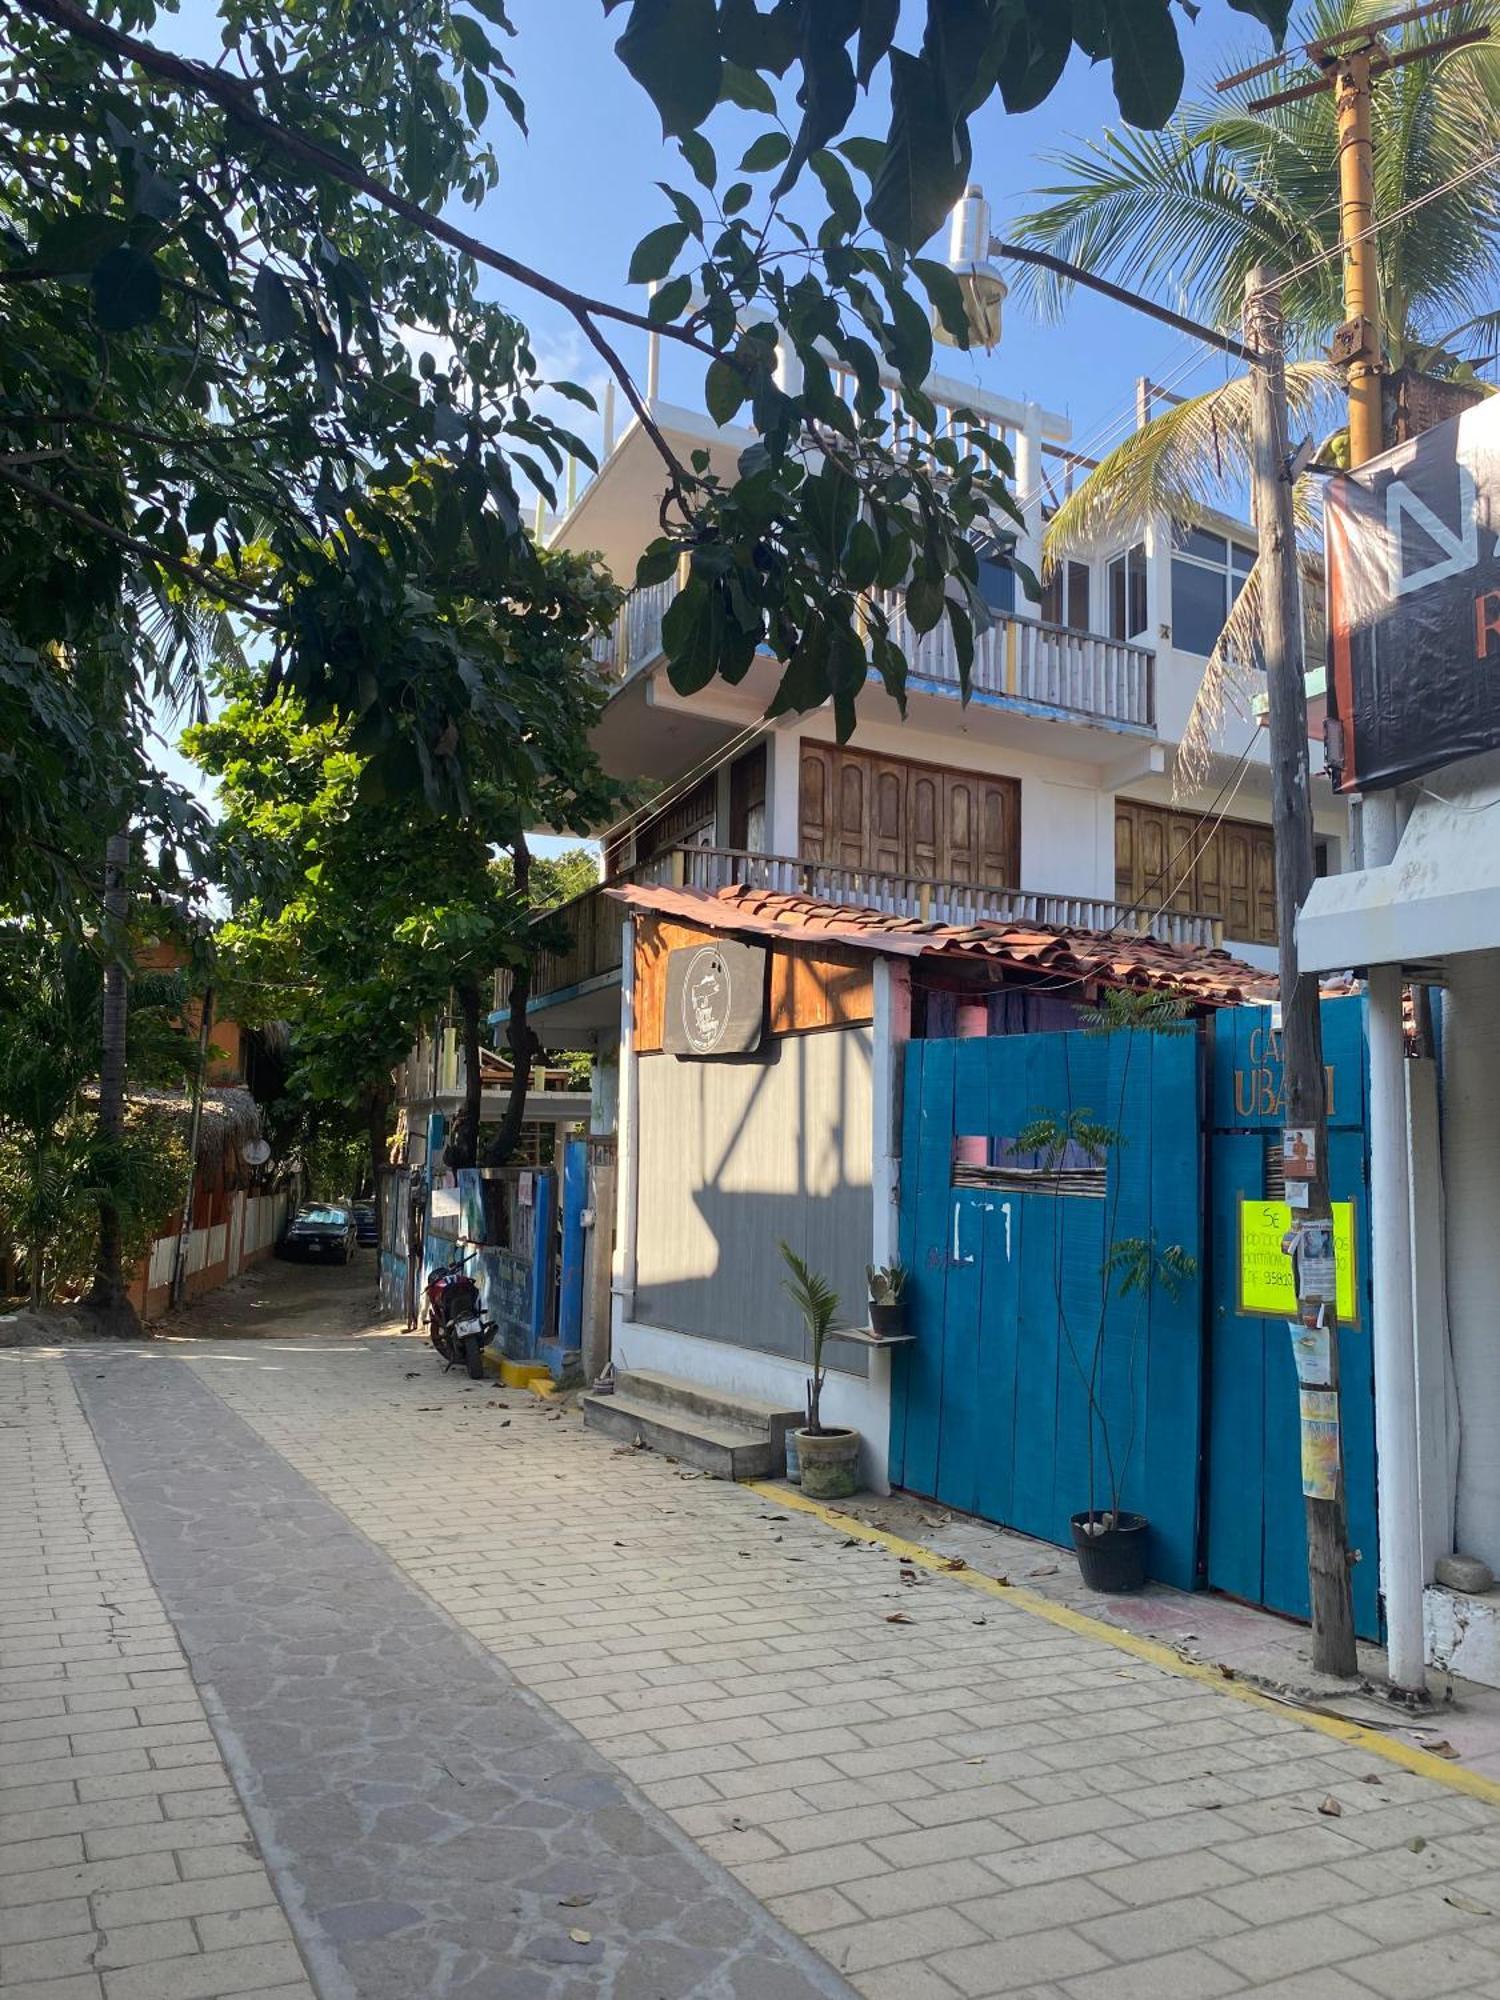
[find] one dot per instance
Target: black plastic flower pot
(888, 1321)
(1111, 1550)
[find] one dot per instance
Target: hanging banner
(716, 999)
(1414, 603)
(1267, 1287)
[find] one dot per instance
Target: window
(1208, 574)
(1125, 592)
(1065, 597)
(997, 580)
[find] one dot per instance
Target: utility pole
(1305, 1095)
(195, 1127)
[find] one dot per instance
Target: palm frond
(1194, 456)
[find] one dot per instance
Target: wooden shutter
(813, 813)
(1229, 873)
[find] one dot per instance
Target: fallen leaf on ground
(1226, 1671)
(1003, 1581)
(1370, 1779)
(739, 1825)
(979, 1621)
(1047, 1569)
(410, 1376)
(573, 1902)
(899, 1618)
(581, 1937)
(955, 1562)
(1416, 1843)
(851, 1542)
(1442, 1748)
(773, 1517)
(1330, 1808)
(1468, 1904)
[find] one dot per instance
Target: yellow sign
(1267, 1287)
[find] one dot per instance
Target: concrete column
(1471, 1161)
(892, 1031)
(627, 1146)
(783, 792)
(1437, 1405)
(1029, 488)
(1395, 1362)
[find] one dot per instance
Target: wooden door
(1167, 859)
(906, 818)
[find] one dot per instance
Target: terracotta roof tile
(1208, 977)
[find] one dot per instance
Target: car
(320, 1229)
(365, 1222)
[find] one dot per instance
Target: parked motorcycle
(455, 1320)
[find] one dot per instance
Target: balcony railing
(1077, 674)
(593, 921)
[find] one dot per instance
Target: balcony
(1047, 670)
(582, 977)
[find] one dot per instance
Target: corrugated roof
(1208, 977)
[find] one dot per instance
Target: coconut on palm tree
(1185, 213)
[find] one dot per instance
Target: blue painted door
(575, 1197)
(1256, 1537)
(991, 1404)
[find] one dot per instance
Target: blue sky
(578, 193)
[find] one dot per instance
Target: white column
(1437, 1405)
(783, 792)
(627, 1148)
(1471, 1148)
(1394, 1338)
(1029, 489)
(892, 1031)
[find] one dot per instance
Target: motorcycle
(455, 1320)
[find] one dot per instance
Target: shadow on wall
(736, 1157)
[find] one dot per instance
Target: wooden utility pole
(1304, 1091)
(1357, 343)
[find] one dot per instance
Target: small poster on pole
(1317, 1276)
(1319, 1410)
(1311, 1353)
(1299, 1153)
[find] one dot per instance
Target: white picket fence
(252, 1228)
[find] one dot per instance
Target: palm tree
(1185, 213)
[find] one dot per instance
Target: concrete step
(679, 1399)
(728, 1451)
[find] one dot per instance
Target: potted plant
(887, 1299)
(828, 1456)
(1109, 1538)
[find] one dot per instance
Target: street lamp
(969, 246)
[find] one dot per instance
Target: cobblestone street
(321, 1673)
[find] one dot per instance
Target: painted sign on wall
(716, 999)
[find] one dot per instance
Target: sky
(578, 193)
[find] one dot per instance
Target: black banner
(716, 1000)
(1414, 603)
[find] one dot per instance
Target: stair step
(678, 1399)
(728, 1451)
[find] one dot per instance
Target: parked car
(366, 1222)
(320, 1229)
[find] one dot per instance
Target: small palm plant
(817, 1301)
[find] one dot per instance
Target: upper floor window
(1208, 574)
(997, 579)
(1065, 597)
(1125, 592)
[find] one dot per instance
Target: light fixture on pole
(969, 260)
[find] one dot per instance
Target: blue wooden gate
(1256, 1533)
(989, 1405)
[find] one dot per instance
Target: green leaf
(671, 48)
(927, 159)
(664, 305)
(1091, 28)
(127, 289)
(657, 252)
(877, 29)
(689, 635)
(1274, 13)
(946, 294)
(273, 305)
(866, 156)
(744, 87)
(736, 197)
(1147, 60)
(724, 390)
(700, 158)
(924, 603)
(843, 202)
(75, 242)
(657, 562)
(861, 557)
(766, 152)
(473, 42)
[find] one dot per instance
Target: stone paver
(99, 1821)
(974, 1803)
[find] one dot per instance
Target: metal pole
(1305, 1096)
(195, 1126)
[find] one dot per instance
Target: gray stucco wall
(734, 1158)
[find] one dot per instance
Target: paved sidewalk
(945, 1795)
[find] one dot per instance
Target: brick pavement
(970, 1804)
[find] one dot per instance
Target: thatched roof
(231, 1116)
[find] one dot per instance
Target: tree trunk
(108, 1300)
(520, 1040)
(377, 1117)
(463, 1147)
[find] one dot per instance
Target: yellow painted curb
(1457, 1779)
(517, 1374)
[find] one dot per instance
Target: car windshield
(323, 1215)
